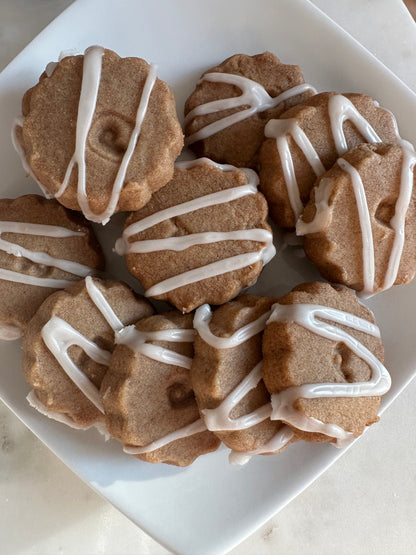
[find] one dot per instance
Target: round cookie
(68, 343)
(226, 377)
(226, 114)
(147, 393)
(99, 132)
(43, 247)
(202, 238)
(307, 140)
(360, 223)
(323, 363)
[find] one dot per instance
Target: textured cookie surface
(309, 138)
(222, 362)
(363, 233)
(100, 132)
(295, 355)
(77, 334)
(147, 393)
(43, 247)
(257, 80)
(201, 239)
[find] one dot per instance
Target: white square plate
(210, 506)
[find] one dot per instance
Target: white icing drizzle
(123, 246)
(399, 219)
(365, 225)
(218, 419)
(59, 335)
(9, 333)
(35, 403)
(103, 305)
(203, 317)
(191, 429)
(279, 130)
(323, 217)
(276, 443)
(43, 258)
(340, 109)
(91, 77)
(136, 340)
(252, 95)
(312, 317)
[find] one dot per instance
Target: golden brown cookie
(360, 223)
(323, 363)
(68, 343)
(202, 238)
(307, 140)
(232, 102)
(226, 377)
(147, 393)
(99, 132)
(43, 247)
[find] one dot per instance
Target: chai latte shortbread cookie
(147, 394)
(323, 363)
(226, 114)
(68, 344)
(360, 223)
(306, 141)
(99, 132)
(43, 247)
(226, 377)
(202, 238)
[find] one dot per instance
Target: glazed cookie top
(99, 133)
(226, 114)
(323, 363)
(360, 224)
(226, 377)
(202, 238)
(68, 343)
(43, 247)
(307, 140)
(147, 394)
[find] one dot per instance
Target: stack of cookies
(100, 135)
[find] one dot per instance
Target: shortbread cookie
(307, 140)
(323, 363)
(226, 377)
(99, 132)
(147, 394)
(226, 114)
(202, 238)
(68, 343)
(43, 247)
(360, 223)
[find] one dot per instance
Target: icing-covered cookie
(360, 223)
(226, 114)
(323, 363)
(68, 344)
(202, 238)
(99, 133)
(43, 247)
(307, 140)
(147, 393)
(226, 377)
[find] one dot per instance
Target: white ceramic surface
(214, 506)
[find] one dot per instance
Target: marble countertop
(364, 504)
